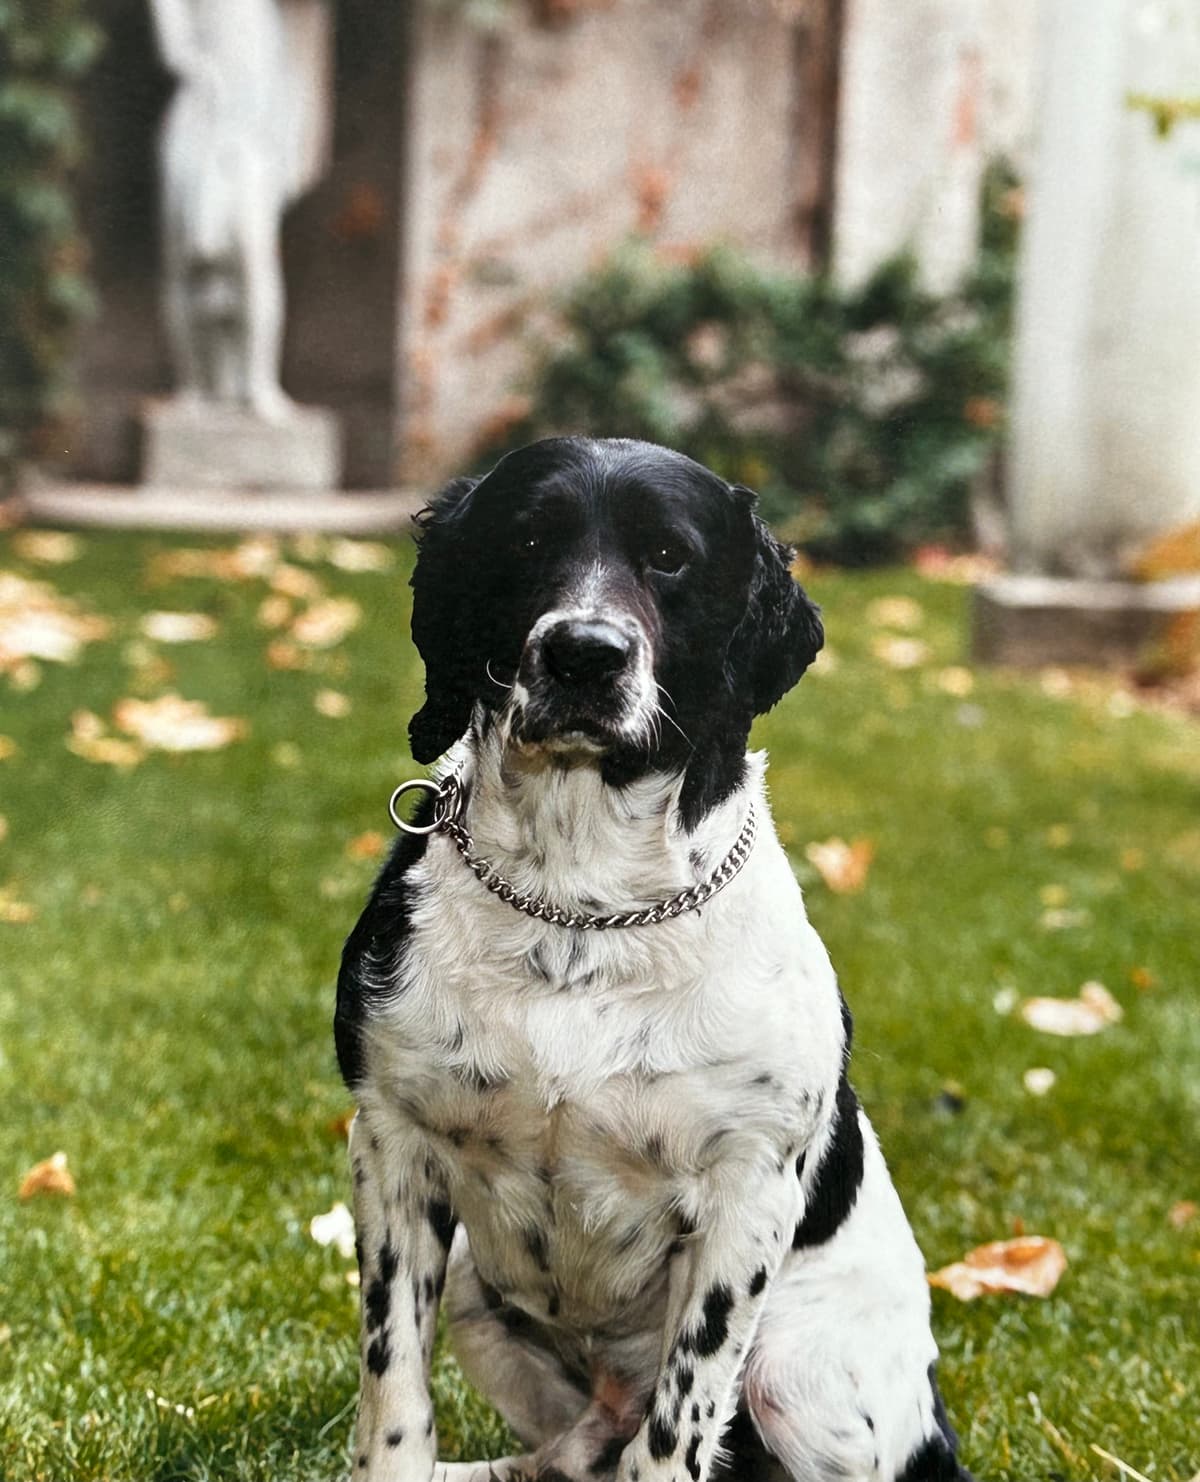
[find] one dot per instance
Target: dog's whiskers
(499, 683)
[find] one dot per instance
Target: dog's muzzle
(585, 652)
(583, 675)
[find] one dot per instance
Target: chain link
(446, 815)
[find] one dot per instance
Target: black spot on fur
(684, 1379)
(838, 1177)
(553, 1304)
(696, 1413)
(662, 1437)
(379, 1356)
(692, 1460)
(711, 1409)
(757, 1281)
(362, 1462)
(377, 1302)
(389, 1263)
(607, 1457)
(394, 1438)
(713, 1328)
(935, 1459)
(800, 1161)
(429, 1424)
(430, 1288)
(441, 1218)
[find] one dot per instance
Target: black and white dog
(603, 1100)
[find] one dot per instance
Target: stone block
(202, 445)
(1030, 621)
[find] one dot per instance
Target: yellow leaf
(1030, 1264)
(178, 627)
(1176, 553)
(332, 704)
(171, 723)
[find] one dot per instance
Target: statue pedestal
(1029, 621)
(206, 445)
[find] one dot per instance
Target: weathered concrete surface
(120, 507)
(930, 91)
(1106, 407)
(1029, 621)
(190, 444)
(535, 149)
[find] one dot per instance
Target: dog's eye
(668, 557)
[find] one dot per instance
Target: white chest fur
(587, 1092)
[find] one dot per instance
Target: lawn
(169, 932)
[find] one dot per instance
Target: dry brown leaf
(326, 623)
(1182, 1213)
(284, 655)
(366, 846)
(253, 558)
(842, 866)
(895, 612)
(36, 622)
(900, 653)
(339, 1126)
(359, 555)
(14, 911)
(47, 547)
(274, 611)
(1095, 1009)
(51, 1176)
(1030, 1264)
(1177, 553)
(178, 627)
(332, 704)
(1142, 979)
(171, 723)
(294, 581)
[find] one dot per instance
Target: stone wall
(535, 149)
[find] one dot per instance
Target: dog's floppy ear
(441, 624)
(781, 633)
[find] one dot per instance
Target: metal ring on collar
(439, 814)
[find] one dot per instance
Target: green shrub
(45, 46)
(862, 418)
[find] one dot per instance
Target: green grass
(164, 1019)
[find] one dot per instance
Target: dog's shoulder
(373, 951)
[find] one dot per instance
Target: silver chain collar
(448, 806)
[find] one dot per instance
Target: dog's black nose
(579, 652)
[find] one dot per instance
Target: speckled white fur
(578, 1097)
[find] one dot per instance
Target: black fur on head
(659, 544)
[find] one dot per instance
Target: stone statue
(246, 132)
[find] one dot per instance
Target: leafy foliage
(45, 46)
(861, 417)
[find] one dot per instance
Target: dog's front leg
(403, 1226)
(718, 1285)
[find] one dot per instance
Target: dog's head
(607, 597)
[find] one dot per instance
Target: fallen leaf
(1054, 895)
(938, 563)
(366, 846)
(842, 866)
(326, 623)
(335, 1228)
(14, 911)
(171, 723)
(36, 622)
(8, 747)
(1063, 918)
(284, 655)
(332, 704)
(274, 611)
(1059, 835)
(955, 681)
(1182, 1213)
(900, 653)
(24, 676)
(1030, 1264)
(1133, 859)
(1004, 1000)
(178, 627)
(1095, 1009)
(1056, 683)
(895, 612)
(51, 1176)
(1038, 1080)
(3, 828)
(253, 558)
(47, 547)
(1142, 979)
(339, 1126)
(294, 581)
(360, 555)
(1177, 553)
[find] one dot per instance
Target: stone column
(1106, 398)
